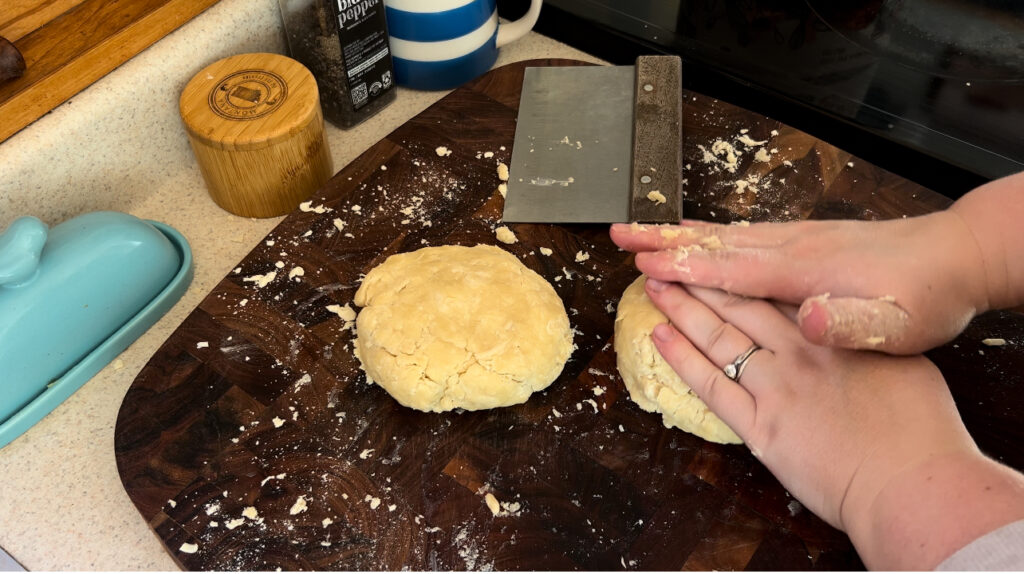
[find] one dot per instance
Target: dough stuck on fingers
(651, 382)
(460, 327)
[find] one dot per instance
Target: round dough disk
(460, 327)
(651, 382)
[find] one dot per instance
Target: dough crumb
(308, 206)
(189, 548)
(503, 189)
(296, 272)
(299, 506)
(251, 513)
(367, 453)
(492, 504)
(442, 151)
(505, 235)
(582, 256)
(995, 342)
(345, 312)
(202, 344)
(260, 280)
(657, 197)
(502, 172)
(546, 251)
(278, 422)
(234, 523)
(762, 155)
(488, 154)
(339, 224)
(749, 142)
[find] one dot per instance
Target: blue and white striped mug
(440, 44)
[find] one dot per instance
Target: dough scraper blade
(598, 144)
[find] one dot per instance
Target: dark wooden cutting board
(601, 485)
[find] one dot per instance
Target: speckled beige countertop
(119, 145)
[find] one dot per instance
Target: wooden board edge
(42, 97)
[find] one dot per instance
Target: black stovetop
(930, 89)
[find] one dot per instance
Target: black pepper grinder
(345, 44)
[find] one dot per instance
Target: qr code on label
(359, 94)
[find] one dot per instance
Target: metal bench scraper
(598, 144)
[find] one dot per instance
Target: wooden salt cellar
(257, 131)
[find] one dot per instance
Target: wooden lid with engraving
(257, 131)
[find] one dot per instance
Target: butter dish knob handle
(20, 247)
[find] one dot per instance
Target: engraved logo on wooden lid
(248, 94)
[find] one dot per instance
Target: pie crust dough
(651, 382)
(460, 327)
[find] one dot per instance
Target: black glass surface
(930, 89)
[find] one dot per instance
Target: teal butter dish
(72, 298)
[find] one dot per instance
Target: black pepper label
(362, 31)
(248, 94)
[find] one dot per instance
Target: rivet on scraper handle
(655, 183)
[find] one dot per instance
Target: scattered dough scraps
(442, 151)
(657, 197)
(582, 256)
(505, 235)
(189, 548)
(503, 189)
(546, 251)
(296, 272)
(502, 172)
(993, 342)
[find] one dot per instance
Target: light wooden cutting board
(69, 44)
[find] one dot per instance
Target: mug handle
(513, 31)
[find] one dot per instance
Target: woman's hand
(900, 286)
(870, 443)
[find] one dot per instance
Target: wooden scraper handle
(656, 194)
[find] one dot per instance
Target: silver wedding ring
(735, 369)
